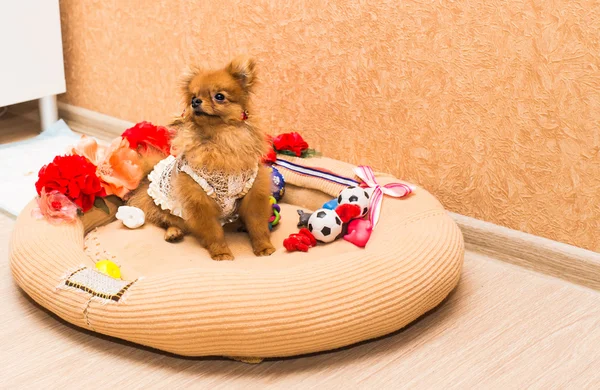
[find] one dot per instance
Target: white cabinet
(31, 56)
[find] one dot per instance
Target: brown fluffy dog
(216, 133)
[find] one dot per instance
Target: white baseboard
(539, 254)
(92, 123)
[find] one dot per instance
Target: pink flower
(55, 207)
(119, 166)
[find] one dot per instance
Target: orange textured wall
(494, 106)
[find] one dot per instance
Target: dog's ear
(186, 79)
(243, 70)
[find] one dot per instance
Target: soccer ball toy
(325, 225)
(355, 195)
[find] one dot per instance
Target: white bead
(132, 217)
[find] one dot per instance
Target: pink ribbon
(395, 190)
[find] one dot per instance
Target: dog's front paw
(220, 252)
(265, 250)
(173, 234)
(221, 256)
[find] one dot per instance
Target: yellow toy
(109, 268)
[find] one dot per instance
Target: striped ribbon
(310, 171)
(396, 190)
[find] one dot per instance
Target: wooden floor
(503, 327)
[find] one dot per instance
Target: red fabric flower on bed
(146, 134)
(292, 142)
(73, 176)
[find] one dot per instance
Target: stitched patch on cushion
(98, 284)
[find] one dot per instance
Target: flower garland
(74, 183)
(89, 173)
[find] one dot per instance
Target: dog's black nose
(196, 102)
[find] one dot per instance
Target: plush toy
(355, 195)
(304, 217)
(325, 225)
(359, 232)
(300, 241)
(132, 217)
(277, 184)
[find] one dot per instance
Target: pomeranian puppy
(214, 175)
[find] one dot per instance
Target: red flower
(270, 157)
(292, 142)
(145, 134)
(73, 176)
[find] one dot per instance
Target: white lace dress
(226, 190)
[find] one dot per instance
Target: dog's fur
(215, 135)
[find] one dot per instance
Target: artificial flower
(55, 207)
(118, 166)
(146, 134)
(292, 142)
(73, 176)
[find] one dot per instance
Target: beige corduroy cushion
(287, 304)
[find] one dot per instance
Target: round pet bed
(174, 298)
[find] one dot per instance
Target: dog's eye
(220, 97)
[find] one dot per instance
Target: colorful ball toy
(277, 184)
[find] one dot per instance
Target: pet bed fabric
(174, 298)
